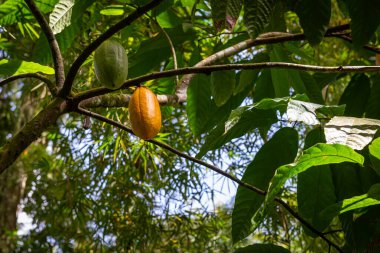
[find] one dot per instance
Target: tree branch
(49, 84)
(208, 69)
(213, 168)
(31, 132)
(54, 47)
(122, 100)
(106, 35)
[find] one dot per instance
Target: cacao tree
(282, 98)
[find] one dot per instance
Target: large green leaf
(374, 150)
(356, 95)
(283, 79)
(364, 19)
(373, 105)
(284, 144)
(315, 188)
(320, 154)
(362, 201)
(241, 121)
(222, 86)
(15, 67)
(198, 103)
(262, 248)
(312, 89)
(154, 51)
(257, 14)
(314, 18)
(264, 86)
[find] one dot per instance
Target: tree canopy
(282, 98)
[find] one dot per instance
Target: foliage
(301, 136)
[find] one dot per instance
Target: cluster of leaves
(103, 187)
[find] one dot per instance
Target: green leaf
(320, 154)
(113, 10)
(314, 18)
(198, 103)
(264, 86)
(154, 51)
(257, 14)
(374, 150)
(315, 188)
(362, 201)
(312, 89)
(241, 121)
(15, 67)
(283, 79)
(248, 77)
(364, 20)
(61, 15)
(259, 172)
(262, 248)
(356, 95)
(222, 86)
(373, 106)
(168, 19)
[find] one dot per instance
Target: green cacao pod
(111, 64)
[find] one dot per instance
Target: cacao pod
(144, 113)
(111, 64)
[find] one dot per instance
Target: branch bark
(66, 89)
(53, 44)
(31, 132)
(208, 69)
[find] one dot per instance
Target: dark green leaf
(364, 19)
(373, 106)
(284, 144)
(320, 154)
(262, 248)
(374, 150)
(369, 199)
(264, 86)
(356, 95)
(283, 79)
(315, 188)
(241, 122)
(314, 18)
(222, 86)
(198, 103)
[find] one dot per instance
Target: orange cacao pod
(144, 113)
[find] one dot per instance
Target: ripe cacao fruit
(111, 64)
(144, 113)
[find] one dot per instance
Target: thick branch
(122, 100)
(49, 84)
(215, 169)
(31, 132)
(208, 69)
(106, 35)
(54, 47)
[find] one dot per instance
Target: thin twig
(106, 35)
(208, 69)
(54, 47)
(172, 49)
(49, 84)
(215, 169)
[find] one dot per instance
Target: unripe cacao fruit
(144, 113)
(111, 64)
